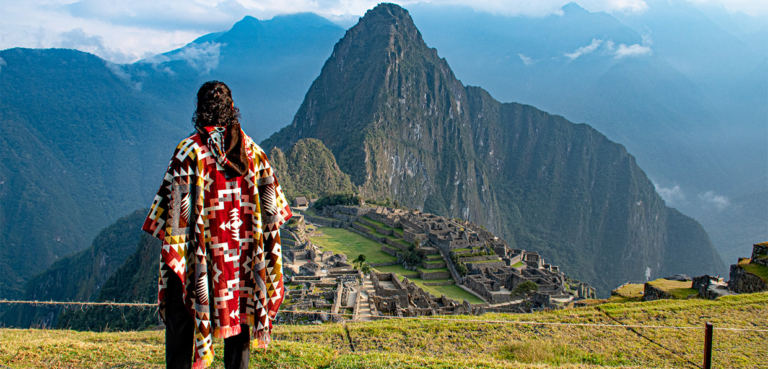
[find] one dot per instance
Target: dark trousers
(180, 334)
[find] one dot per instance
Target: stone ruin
(744, 278)
(405, 299)
(494, 269)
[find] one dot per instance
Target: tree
(359, 261)
(525, 289)
(366, 268)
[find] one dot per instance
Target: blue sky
(124, 31)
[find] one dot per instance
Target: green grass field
(344, 241)
(459, 342)
(450, 291)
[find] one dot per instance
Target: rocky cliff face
(402, 125)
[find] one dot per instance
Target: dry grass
(678, 289)
(631, 290)
(458, 343)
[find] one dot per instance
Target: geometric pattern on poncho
(221, 238)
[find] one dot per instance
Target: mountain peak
(246, 30)
(573, 8)
(389, 15)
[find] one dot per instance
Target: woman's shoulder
(255, 149)
(192, 143)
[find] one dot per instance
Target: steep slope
(689, 104)
(309, 169)
(403, 126)
(78, 147)
(91, 139)
(80, 276)
(134, 281)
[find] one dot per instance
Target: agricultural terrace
(344, 241)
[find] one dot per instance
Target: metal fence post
(707, 346)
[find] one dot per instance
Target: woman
(218, 212)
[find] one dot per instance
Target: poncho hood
(226, 143)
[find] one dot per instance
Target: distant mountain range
(402, 126)
(85, 140)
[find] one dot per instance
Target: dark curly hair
(215, 106)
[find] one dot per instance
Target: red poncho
(220, 236)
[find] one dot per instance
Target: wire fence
(359, 318)
(390, 317)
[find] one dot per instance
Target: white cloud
(673, 196)
(634, 50)
(79, 40)
(719, 201)
(585, 49)
(118, 71)
(203, 57)
(526, 60)
(132, 30)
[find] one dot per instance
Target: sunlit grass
(455, 342)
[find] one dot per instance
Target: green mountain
(134, 281)
(309, 169)
(81, 276)
(86, 141)
(401, 124)
(79, 149)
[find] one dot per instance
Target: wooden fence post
(708, 346)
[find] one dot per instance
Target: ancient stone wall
(651, 293)
(439, 265)
(493, 264)
(394, 244)
(389, 250)
(434, 275)
(760, 254)
(743, 282)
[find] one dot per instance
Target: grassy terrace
(432, 270)
(393, 238)
(483, 261)
(518, 264)
(343, 241)
(380, 224)
(677, 289)
(756, 269)
(312, 212)
(411, 344)
(629, 292)
(435, 257)
(434, 261)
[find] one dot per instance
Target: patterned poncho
(220, 236)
